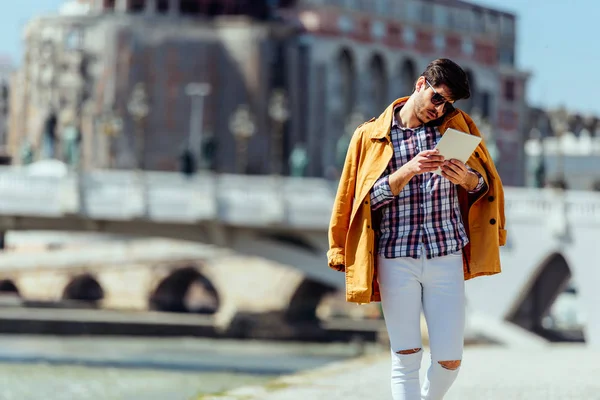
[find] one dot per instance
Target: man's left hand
(456, 172)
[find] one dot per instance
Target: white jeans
(437, 287)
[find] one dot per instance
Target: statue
(49, 135)
(539, 173)
(27, 153)
(298, 160)
(71, 139)
(209, 152)
(187, 163)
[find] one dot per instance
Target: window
(492, 23)
(427, 14)
(440, 16)
(408, 35)
(506, 56)
(413, 11)
(74, 39)
(378, 29)
(486, 104)
(381, 7)
(507, 26)
(468, 47)
(345, 24)
(439, 40)
(478, 21)
(509, 90)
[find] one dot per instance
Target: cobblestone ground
(558, 372)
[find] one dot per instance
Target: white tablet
(456, 145)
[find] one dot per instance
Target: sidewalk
(555, 372)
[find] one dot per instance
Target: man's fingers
(451, 178)
(450, 170)
(434, 157)
(458, 163)
(454, 166)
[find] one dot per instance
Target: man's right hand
(425, 161)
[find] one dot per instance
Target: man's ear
(420, 84)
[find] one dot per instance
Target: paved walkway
(556, 372)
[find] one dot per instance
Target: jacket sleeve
(493, 179)
(342, 206)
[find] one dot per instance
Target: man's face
(426, 109)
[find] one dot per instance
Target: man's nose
(440, 108)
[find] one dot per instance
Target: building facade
(252, 87)
(562, 150)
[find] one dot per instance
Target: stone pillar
(121, 6)
(151, 7)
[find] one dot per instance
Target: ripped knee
(410, 351)
(450, 365)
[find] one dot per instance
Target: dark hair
(446, 72)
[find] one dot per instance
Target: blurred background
(169, 166)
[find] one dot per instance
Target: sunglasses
(437, 99)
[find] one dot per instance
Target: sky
(557, 41)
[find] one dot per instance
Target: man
(411, 238)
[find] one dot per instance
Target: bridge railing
(243, 200)
(168, 197)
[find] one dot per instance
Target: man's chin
(424, 118)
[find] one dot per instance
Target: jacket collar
(383, 124)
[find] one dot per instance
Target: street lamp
(197, 92)
(279, 113)
(138, 109)
(242, 127)
(111, 126)
(559, 121)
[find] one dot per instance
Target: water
(49, 368)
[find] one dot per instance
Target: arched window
(379, 85)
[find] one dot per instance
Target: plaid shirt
(426, 211)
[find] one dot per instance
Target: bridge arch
(185, 289)
(8, 287)
(550, 280)
(84, 288)
(306, 299)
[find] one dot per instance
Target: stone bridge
(552, 238)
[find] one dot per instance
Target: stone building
(288, 80)
(562, 149)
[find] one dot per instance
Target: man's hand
(456, 172)
(425, 161)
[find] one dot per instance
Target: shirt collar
(395, 123)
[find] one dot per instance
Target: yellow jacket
(351, 231)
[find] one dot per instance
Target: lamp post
(241, 125)
(111, 125)
(559, 121)
(279, 114)
(138, 109)
(197, 92)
